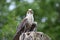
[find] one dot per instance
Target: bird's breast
(30, 19)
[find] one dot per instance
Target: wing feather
(20, 29)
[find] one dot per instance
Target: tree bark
(34, 36)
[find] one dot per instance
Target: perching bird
(26, 25)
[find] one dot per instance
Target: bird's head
(30, 11)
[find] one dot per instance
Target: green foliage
(46, 13)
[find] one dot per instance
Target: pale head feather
(29, 9)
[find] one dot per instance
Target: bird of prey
(26, 25)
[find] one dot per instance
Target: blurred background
(46, 13)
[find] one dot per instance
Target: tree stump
(34, 36)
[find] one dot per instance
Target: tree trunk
(34, 36)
